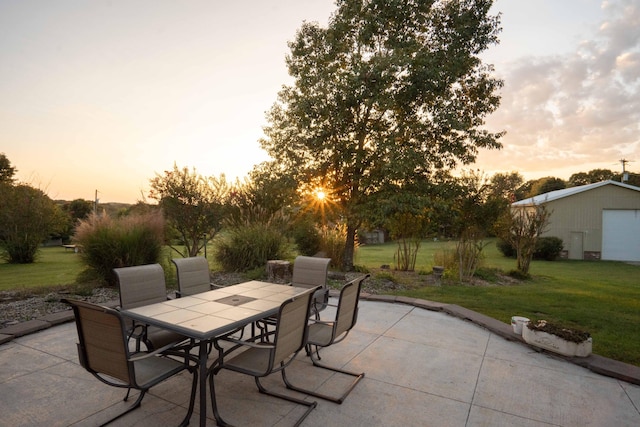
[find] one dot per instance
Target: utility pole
(95, 204)
(625, 174)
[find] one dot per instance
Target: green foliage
(306, 236)
(7, 171)
(593, 176)
(250, 247)
(193, 205)
(127, 241)
(547, 248)
(507, 249)
(386, 92)
(545, 185)
(27, 218)
(521, 227)
(573, 335)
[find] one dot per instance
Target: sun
(320, 195)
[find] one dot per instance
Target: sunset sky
(102, 95)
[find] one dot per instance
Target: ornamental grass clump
(123, 242)
(572, 335)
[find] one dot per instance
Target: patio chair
(326, 333)
(143, 285)
(308, 272)
(260, 359)
(193, 275)
(194, 278)
(103, 351)
(311, 272)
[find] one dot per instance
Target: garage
(595, 221)
(621, 234)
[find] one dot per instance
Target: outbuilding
(594, 221)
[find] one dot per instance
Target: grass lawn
(602, 297)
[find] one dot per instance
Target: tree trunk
(349, 249)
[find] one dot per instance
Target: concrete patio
(424, 367)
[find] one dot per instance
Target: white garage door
(621, 235)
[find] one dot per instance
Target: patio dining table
(207, 315)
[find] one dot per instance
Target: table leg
(203, 354)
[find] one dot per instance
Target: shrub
(250, 246)
(307, 237)
(506, 248)
(113, 243)
(548, 248)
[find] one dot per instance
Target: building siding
(582, 213)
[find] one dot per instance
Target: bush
(548, 248)
(307, 237)
(249, 247)
(113, 243)
(506, 248)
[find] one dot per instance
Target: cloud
(577, 111)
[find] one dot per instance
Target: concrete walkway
(423, 368)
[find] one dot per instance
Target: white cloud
(577, 111)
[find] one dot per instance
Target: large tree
(388, 90)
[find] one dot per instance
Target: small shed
(594, 221)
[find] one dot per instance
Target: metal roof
(566, 192)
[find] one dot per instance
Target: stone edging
(598, 364)
(30, 326)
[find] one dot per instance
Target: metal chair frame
(326, 333)
(262, 359)
(103, 351)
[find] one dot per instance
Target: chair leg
(310, 405)
(135, 405)
(339, 400)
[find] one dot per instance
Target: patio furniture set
(254, 328)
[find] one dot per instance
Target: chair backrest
(291, 329)
(102, 348)
(309, 272)
(347, 313)
(141, 285)
(193, 275)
